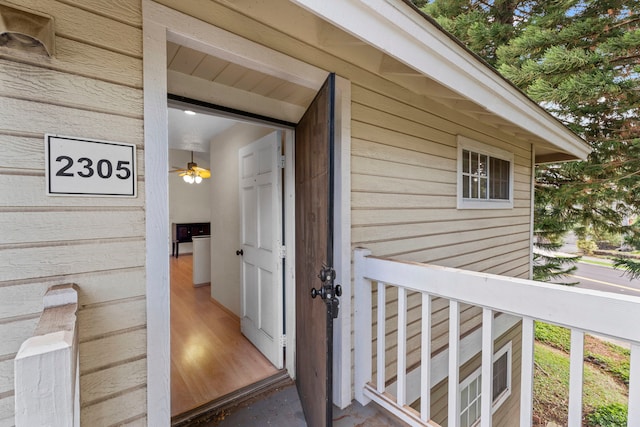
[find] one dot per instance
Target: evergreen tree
(580, 59)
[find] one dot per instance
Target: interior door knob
(240, 252)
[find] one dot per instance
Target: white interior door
(261, 237)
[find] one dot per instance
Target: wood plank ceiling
(197, 64)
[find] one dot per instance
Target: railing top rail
(587, 310)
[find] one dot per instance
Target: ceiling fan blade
(204, 173)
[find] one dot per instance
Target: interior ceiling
(194, 132)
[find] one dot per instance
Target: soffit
(309, 27)
(204, 70)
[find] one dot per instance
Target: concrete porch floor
(281, 408)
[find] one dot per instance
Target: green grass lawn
(605, 377)
(594, 262)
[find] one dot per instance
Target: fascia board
(397, 30)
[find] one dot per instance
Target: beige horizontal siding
(91, 88)
(116, 410)
(6, 375)
(24, 117)
(90, 28)
(7, 403)
(85, 60)
(69, 225)
(33, 194)
(404, 187)
(508, 414)
(55, 87)
(125, 11)
(110, 350)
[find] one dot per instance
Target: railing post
(362, 321)
(526, 380)
(634, 387)
(46, 366)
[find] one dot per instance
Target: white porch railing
(47, 391)
(583, 311)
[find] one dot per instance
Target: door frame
(162, 24)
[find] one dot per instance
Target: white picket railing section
(47, 391)
(583, 311)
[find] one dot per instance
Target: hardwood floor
(209, 355)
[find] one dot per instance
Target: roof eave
(402, 32)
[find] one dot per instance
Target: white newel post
(46, 366)
(362, 321)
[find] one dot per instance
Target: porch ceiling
(479, 92)
(197, 75)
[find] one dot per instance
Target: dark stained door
(314, 257)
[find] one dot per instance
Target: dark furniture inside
(182, 233)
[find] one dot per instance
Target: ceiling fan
(193, 173)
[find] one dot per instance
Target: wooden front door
(314, 149)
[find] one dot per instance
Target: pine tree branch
(627, 22)
(624, 58)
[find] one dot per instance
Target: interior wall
(225, 212)
(188, 202)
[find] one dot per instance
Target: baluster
(487, 367)
(425, 358)
(576, 374)
(402, 347)
(381, 337)
(634, 387)
(526, 381)
(454, 361)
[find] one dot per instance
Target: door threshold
(216, 408)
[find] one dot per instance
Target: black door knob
(240, 252)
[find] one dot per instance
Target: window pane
(474, 163)
(500, 369)
(473, 413)
(464, 398)
(465, 161)
(482, 165)
(466, 186)
(499, 176)
(483, 188)
(463, 420)
(485, 177)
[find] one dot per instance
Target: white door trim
(159, 25)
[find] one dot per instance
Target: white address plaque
(89, 167)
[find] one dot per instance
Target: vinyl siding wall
(403, 184)
(403, 162)
(91, 88)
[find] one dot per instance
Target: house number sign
(89, 167)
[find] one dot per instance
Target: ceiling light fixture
(190, 113)
(193, 173)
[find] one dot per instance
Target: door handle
(240, 252)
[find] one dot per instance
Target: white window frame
(469, 144)
(495, 405)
